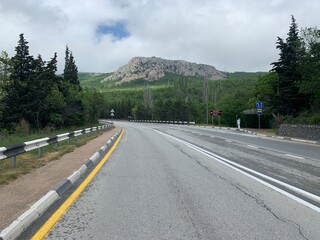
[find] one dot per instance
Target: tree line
(31, 92)
(291, 91)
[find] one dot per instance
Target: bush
(22, 128)
(56, 120)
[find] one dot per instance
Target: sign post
(219, 115)
(259, 106)
(211, 114)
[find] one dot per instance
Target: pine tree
(74, 110)
(289, 100)
(70, 72)
(38, 90)
(18, 100)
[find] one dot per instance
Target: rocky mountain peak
(154, 68)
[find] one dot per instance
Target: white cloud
(236, 35)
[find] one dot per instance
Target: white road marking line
(289, 155)
(250, 146)
(228, 141)
(246, 171)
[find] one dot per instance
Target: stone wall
(309, 132)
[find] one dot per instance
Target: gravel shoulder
(19, 195)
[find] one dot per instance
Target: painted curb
(63, 187)
(74, 177)
(45, 202)
(18, 226)
(83, 169)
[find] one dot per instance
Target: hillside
(92, 80)
(153, 68)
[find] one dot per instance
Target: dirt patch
(19, 195)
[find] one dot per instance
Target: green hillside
(92, 80)
(175, 97)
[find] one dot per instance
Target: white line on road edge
(238, 168)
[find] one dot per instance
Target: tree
(289, 100)
(38, 89)
(71, 89)
(310, 68)
(266, 91)
(5, 71)
(55, 105)
(18, 99)
(93, 104)
(147, 100)
(138, 112)
(181, 99)
(70, 72)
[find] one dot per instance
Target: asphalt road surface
(181, 182)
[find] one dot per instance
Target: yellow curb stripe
(44, 230)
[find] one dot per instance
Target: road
(182, 182)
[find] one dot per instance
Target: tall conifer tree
(289, 100)
(18, 100)
(70, 72)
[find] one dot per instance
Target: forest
(33, 95)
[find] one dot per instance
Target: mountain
(154, 68)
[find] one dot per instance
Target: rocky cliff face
(153, 68)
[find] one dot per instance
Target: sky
(232, 35)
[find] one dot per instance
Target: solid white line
(289, 155)
(236, 167)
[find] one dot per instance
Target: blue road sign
(259, 105)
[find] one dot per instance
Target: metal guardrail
(165, 122)
(14, 150)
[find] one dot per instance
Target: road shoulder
(21, 194)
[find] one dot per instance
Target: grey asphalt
(298, 148)
(275, 158)
(154, 187)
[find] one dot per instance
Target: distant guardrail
(165, 122)
(14, 150)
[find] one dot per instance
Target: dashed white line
(228, 141)
(289, 155)
(250, 146)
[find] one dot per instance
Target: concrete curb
(17, 227)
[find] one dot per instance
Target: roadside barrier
(14, 150)
(164, 122)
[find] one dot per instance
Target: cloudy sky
(232, 35)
